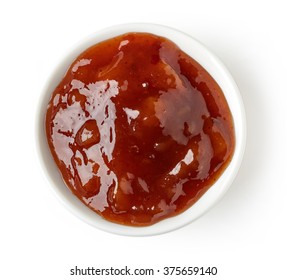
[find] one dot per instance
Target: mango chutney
(138, 129)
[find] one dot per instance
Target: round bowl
(216, 69)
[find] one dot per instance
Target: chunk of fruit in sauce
(138, 129)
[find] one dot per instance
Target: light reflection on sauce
(138, 129)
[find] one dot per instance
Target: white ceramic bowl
(213, 195)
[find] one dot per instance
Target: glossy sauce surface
(138, 129)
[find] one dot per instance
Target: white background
(245, 235)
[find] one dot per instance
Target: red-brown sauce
(138, 129)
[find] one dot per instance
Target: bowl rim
(216, 69)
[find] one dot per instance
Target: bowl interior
(217, 71)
